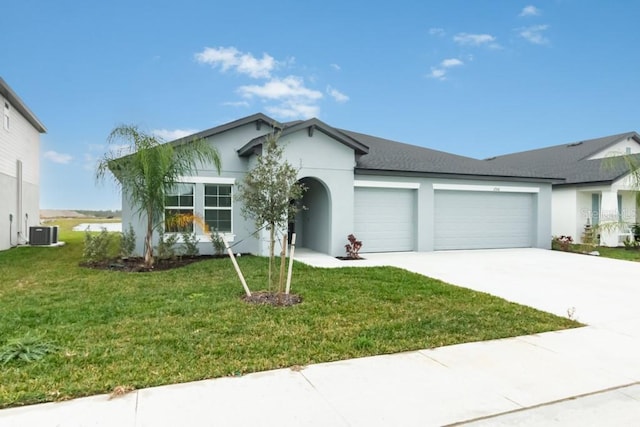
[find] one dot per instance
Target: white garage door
(483, 220)
(385, 219)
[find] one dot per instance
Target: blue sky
(477, 78)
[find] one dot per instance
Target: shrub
(217, 242)
(190, 244)
(166, 248)
(96, 246)
(562, 243)
(127, 243)
(353, 247)
(29, 348)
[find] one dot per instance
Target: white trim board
(386, 184)
(206, 180)
(492, 188)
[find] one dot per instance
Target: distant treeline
(102, 214)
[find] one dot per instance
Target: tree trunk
(272, 243)
(282, 263)
(148, 242)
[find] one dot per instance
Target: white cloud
(231, 58)
(438, 32)
(335, 67)
(56, 157)
(466, 39)
(534, 34)
(440, 72)
(289, 87)
(451, 62)
(337, 95)
(171, 134)
(437, 73)
(530, 11)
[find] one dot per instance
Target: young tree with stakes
(145, 168)
(268, 194)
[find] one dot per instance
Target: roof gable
(310, 126)
(19, 105)
(259, 119)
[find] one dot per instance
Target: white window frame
(199, 182)
(218, 208)
(193, 208)
(6, 118)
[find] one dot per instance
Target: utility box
(43, 236)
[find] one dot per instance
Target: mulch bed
(136, 265)
(271, 298)
(348, 258)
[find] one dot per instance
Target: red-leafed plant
(353, 247)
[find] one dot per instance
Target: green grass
(619, 253)
(608, 252)
(143, 329)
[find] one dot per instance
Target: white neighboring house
(393, 196)
(596, 186)
(19, 168)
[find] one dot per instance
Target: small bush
(217, 242)
(562, 243)
(27, 349)
(96, 246)
(190, 244)
(353, 247)
(166, 248)
(127, 243)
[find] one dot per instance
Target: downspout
(11, 245)
(19, 230)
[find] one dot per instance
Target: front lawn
(619, 253)
(144, 329)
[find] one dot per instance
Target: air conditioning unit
(43, 236)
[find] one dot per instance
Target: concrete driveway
(597, 291)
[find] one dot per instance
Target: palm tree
(150, 168)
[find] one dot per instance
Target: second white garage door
(483, 220)
(385, 219)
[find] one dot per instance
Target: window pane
(172, 223)
(218, 196)
(224, 202)
(171, 201)
(211, 202)
(180, 195)
(210, 190)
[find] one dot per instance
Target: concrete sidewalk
(584, 376)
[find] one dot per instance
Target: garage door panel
(482, 220)
(385, 219)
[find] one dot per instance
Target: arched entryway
(313, 223)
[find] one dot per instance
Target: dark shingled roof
(570, 161)
(391, 156)
(378, 155)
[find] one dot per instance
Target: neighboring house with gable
(392, 196)
(19, 168)
(596, 187)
